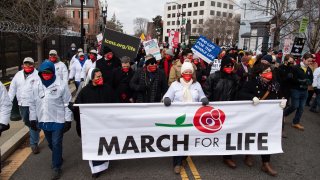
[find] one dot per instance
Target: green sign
(303, 24)
(183, 21)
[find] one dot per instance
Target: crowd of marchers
(44, 97)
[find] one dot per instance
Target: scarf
(186, 94)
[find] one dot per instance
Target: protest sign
(215, 65)
(154, 130)
(193, 40)
(120, 44)
(151, 47)
(297, 46)
(206, 49)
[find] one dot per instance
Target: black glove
(290, 75)
(167, 101)
(33, 125)
(71, 107)
(4, 127)
(82, 79)
(205, 101)
(67, 126)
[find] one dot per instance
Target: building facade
(91, 17)
(196, 12)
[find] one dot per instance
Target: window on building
(225, 5)
(179, 6)
(169, 15)
(168, 23)
(69, 2)
(79, 14)
(174, 15)
(85, 14)
(213, 3)
(184, 5)
(224, 14)
(189, 13)
(86, 27)
(173, 7)
(230, 6)
(218, 13)
(195, 4)
(201, 12)
(201, 3)
(189, 5)
(200, 21)
(178, 22)
(194, 30)
(169, 8)
(230, 15)
(212, 12)
(219, 4)
(168, 30)
(70, 13)
(173, 23)
(195, 13)
(194, 21)
(200, 30)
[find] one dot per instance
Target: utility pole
(105, 13)
(82, 31)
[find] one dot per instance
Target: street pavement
(300, 160)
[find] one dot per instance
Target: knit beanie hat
(186, 66)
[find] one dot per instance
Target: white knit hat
(186, 66)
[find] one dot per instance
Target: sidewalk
(10, 140)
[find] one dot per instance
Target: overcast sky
(127, 10)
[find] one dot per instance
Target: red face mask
(186, 77)
(92, 57)
(28, 69)
(152, 68)
(47, 76)
(81, 58)
(99, 81)
(125, 69)
(228, 70)
(195, 62)
(108, 56)
(267, 76)
(53, 58)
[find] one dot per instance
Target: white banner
(151, 47)
(125, 131)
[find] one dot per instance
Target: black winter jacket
(107, 68)
(121, 85)
(301, 80)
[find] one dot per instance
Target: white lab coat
(175, 92)
(76, 71)
(87, 65)
(73, 59)
(316, 78)
(21, 87)
(61, 71)
(5, 105)
(50, 104)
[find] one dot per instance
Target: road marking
(16, 160)
(183, 174)
(193, 169)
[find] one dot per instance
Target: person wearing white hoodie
(316, 87)
(21, 87)
(60, 68)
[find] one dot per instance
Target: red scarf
(166, 67)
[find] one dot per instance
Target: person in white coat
(51, 98)
(76, 69)
(90, 63)
(316, 87)
(75, 57)
(60, 68)
(5, 111)
(21, 87)
(185, 89)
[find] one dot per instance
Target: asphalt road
(300, 160)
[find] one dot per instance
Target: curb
(17, 139)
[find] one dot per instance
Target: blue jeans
(54, 139)
(298, 101)
(316, 102)
(77, 84)
(34, 135)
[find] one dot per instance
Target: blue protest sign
(206, 49)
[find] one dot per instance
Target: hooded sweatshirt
(47, 65)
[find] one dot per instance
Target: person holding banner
(149, 82)
(121, 81)
(185, 89)
(49, 106)
(263, 86)
(223, 85)
(107, 65)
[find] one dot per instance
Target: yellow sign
(142, 37)
(303, 25)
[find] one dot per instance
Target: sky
(127, 10)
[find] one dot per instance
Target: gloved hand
(204, 101)
(283, 103)
(167, 101)
(256, 101)
(4, 127)
(67, 126)
(33, 125)
(82, 79)
(290, 75)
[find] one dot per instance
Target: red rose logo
(208, 119)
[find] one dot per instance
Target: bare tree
(312, 9)
(223, 31)
(39, 19)
(140, 26)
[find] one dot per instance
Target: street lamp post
(81, 25)
(182, 15)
